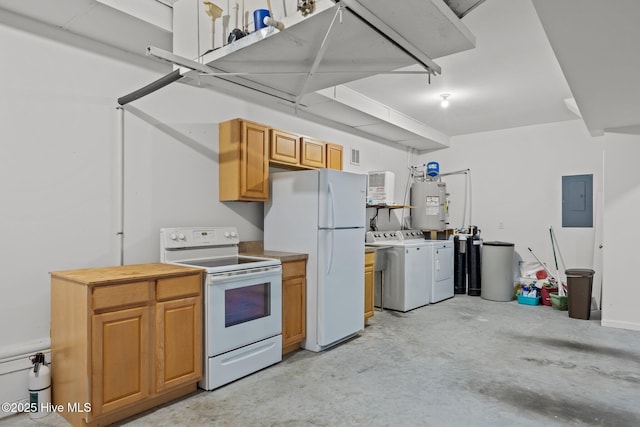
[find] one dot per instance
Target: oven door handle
(244, 276)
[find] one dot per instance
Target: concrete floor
(462, 362)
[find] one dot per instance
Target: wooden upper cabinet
(246, 149)
(284, 148)
(243, 161)
(313, 153)
(334, 156)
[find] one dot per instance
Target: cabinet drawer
(177, 287)
(121, 295)
(294, 269)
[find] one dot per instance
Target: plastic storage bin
(558, 302)
(579, 285)
(528, 300)
(496, 271)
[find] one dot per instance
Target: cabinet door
(284, 147)
(120, 363)
(334, 156)
(254, 161)
(293, 312)
(294, 322)
(178, 342)
(368, 286)
(313, 153)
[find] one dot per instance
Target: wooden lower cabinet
(177, 340)
(119, 357)
(294, 322)
(124, 339)
(369, 258)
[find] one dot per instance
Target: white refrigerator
(322, 213)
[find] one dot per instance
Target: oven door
(242, 307)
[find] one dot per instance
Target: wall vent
(355, 157)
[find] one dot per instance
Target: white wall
(59, 168)
(516, 180)
(621, 292)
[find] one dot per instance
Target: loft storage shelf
(383, 206)
(342, 41)
(302, 69)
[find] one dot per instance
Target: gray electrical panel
(577, 201)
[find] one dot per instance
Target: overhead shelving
(342, 41)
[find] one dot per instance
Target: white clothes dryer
(439, 255)
(405, 279)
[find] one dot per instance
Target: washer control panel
(410, 234)
(387, 236)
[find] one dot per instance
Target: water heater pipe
(467, 193)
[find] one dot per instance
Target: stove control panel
(193, 237)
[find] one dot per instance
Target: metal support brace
(390, 34)
(319, 55)
(206, 70)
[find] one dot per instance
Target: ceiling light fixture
(445, 101)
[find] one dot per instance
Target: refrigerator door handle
(333, 206)
(331, 252)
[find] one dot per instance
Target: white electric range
(242, 301)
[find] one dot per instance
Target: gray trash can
(579, 285)
(496, 271)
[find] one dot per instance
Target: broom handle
(555, 240)
(543, 266)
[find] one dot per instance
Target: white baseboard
(14, 366)
(621, 325)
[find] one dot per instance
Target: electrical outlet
(500, 225)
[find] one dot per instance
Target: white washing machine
(439, 255)
(405, 276)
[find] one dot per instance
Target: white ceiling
(512, 78)
(597, 45)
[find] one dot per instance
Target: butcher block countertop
(125, 273)
(256, 248)
(282, 256)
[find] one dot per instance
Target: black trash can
(579, 285)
